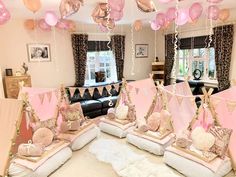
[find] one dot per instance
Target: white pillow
(122, 112)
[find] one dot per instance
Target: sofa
(96, 104)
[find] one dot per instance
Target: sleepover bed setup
(53, 129)
(160, 123)
(122, 118)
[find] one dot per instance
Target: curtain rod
(203, 28)
(101, 34)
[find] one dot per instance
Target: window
(100, 61)
(201, 58)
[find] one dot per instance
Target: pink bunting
(81, 90)
(91, 90)
(49, 95)
(100, 90)
(179, 99)
(72, 91)
(231, 105)
(41, 97)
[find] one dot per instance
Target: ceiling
(131, 12)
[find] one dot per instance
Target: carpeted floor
(85, 164)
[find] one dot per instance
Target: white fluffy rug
(127, 163)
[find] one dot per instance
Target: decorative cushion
(30, 150)
(166, 122)
(71, 112)
(122, 112)
(69, 126)
(202, 140)
(222, 136)
(43, 136)
(50, 124)
(154, 121)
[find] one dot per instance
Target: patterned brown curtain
(118, 48)
(223, 43)
(80, 48)
(169, 57)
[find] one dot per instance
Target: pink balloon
(171, 14)
(160, 19)
(165, 1)
(214, 1)
(51, 18)
(116, 5)
(155, 26)
(116, 15)
(182, 17)
(213, 12)
(195, 11)
(4, 14)
(43, 25)
(62, 24)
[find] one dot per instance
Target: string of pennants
(48, 95)
(91, 89)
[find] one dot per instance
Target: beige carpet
(85, 164)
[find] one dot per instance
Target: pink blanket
(213, 165)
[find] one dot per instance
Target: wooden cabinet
(11, 85)
(158, 71)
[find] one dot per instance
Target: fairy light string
(132, 48)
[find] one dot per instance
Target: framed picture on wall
(141, 50)
(39, 52)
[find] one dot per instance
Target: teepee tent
(11, 115)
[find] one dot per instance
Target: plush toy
(30, 150)
(166, 122)
(202, 140)
(153, 121)
(122, 112)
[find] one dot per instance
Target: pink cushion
(43, 136)
(153, 121)
(69, 126)
(30, 150)
(72, 112)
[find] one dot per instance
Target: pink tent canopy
(225, 104)
(141, 94)
(181, 105)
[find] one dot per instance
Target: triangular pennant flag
(81, 91)
(56, 92)
(49, 95)
(117, 86)
(72, 91)
(179, 99)
(231, 105)
(41, 97)
(169, 96)
(137, 91)
(108, 87)
(100, 90)
(215, 102)
(91, 90)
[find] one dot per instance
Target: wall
(14, 38)
(1, 86)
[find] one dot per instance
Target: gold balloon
(224, 14)
(32, 5)
(69, 7)
(71, 26)
(100, 12)
(138, 25)
(146, 5)
(108, 23)
(30, 24)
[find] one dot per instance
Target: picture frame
(39, 52)
(141, 50)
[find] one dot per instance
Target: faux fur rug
(127, 163)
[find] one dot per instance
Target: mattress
(191, 168)
(48, 167)
(154, 147)
(114, 130)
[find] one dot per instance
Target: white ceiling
(131, 12)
